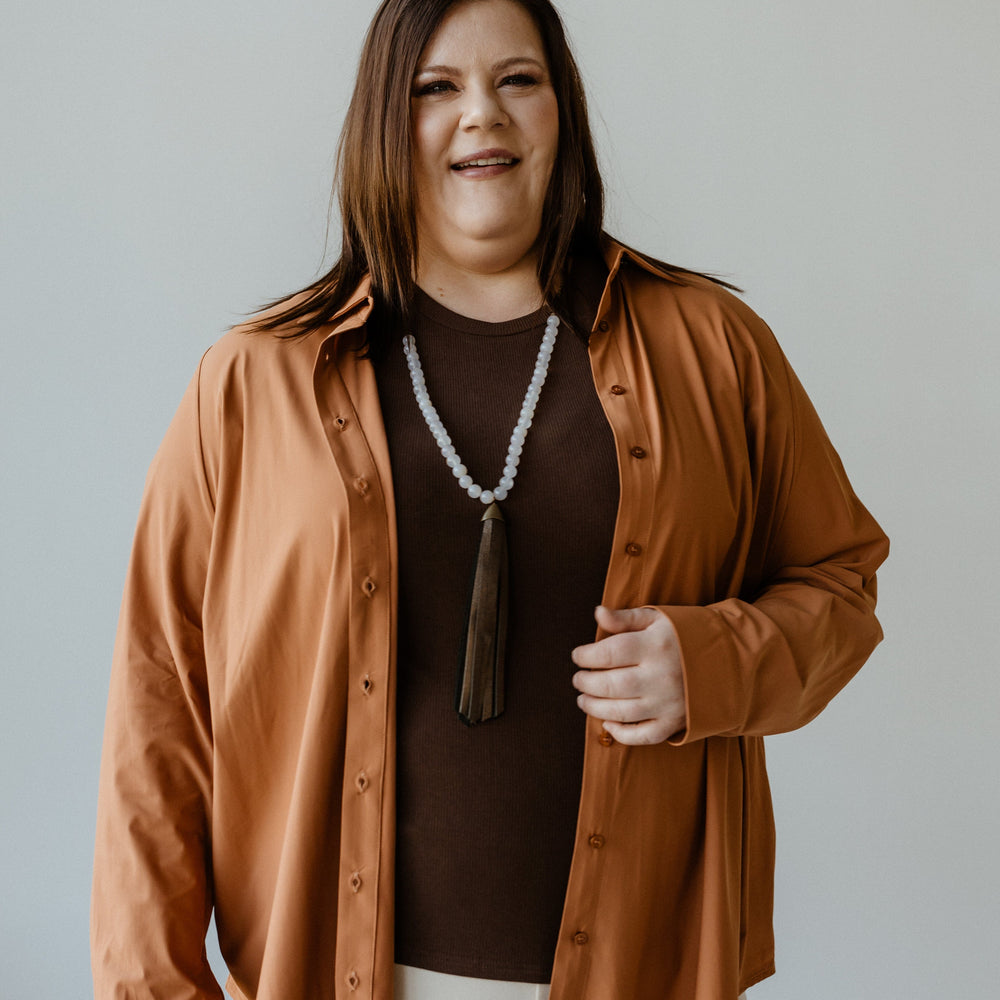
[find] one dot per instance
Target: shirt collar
(614, 254)
(354, 312)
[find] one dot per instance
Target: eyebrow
(496, 67)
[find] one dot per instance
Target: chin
(507, 227)
(503, 244)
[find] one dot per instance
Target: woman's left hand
(632, 679)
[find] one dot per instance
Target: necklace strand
(517, 437)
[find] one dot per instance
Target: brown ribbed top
(486, 816)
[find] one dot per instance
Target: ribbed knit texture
(486, 816)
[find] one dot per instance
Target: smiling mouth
(486, 161)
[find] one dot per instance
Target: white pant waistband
(422, 984)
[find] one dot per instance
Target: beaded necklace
(479, 693)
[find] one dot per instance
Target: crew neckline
(433, 311)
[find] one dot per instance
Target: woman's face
(485, 135)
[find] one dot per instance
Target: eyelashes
(517, 81)
(434, 87)
(520, 80)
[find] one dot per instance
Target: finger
(612, 651)
(625, 619)
(627, 710)
(642, 734)
(620, 682)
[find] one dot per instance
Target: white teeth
(490, 162)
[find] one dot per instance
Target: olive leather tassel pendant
(479, 693)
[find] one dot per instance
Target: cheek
(547, 132)
(428, 147)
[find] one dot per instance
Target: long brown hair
(374, 177)
(374, 181)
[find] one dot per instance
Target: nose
(483, 109)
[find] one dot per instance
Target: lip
(485, 170)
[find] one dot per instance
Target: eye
(519, 80)
(433, 87)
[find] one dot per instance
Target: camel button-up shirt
(249, 754)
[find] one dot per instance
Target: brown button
(366, 684)
(368, 586)
(580, 937)
(638, 452)
(361, 781)
(596, 841)
(618, 390)
(361, 485)
(605, 739)
(355, 881)
(633, 549)
(604, 326)
(353, 980)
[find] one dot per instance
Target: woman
(289, 740)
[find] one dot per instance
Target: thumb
(624, 619)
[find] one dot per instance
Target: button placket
(345, 397)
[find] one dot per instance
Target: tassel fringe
(480, 688)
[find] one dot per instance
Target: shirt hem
(758, 975)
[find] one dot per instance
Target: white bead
(518, 434)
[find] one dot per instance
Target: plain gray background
(167, 167)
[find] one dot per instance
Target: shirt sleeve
(770, 659)
(152, 896)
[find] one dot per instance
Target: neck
(492, 296)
